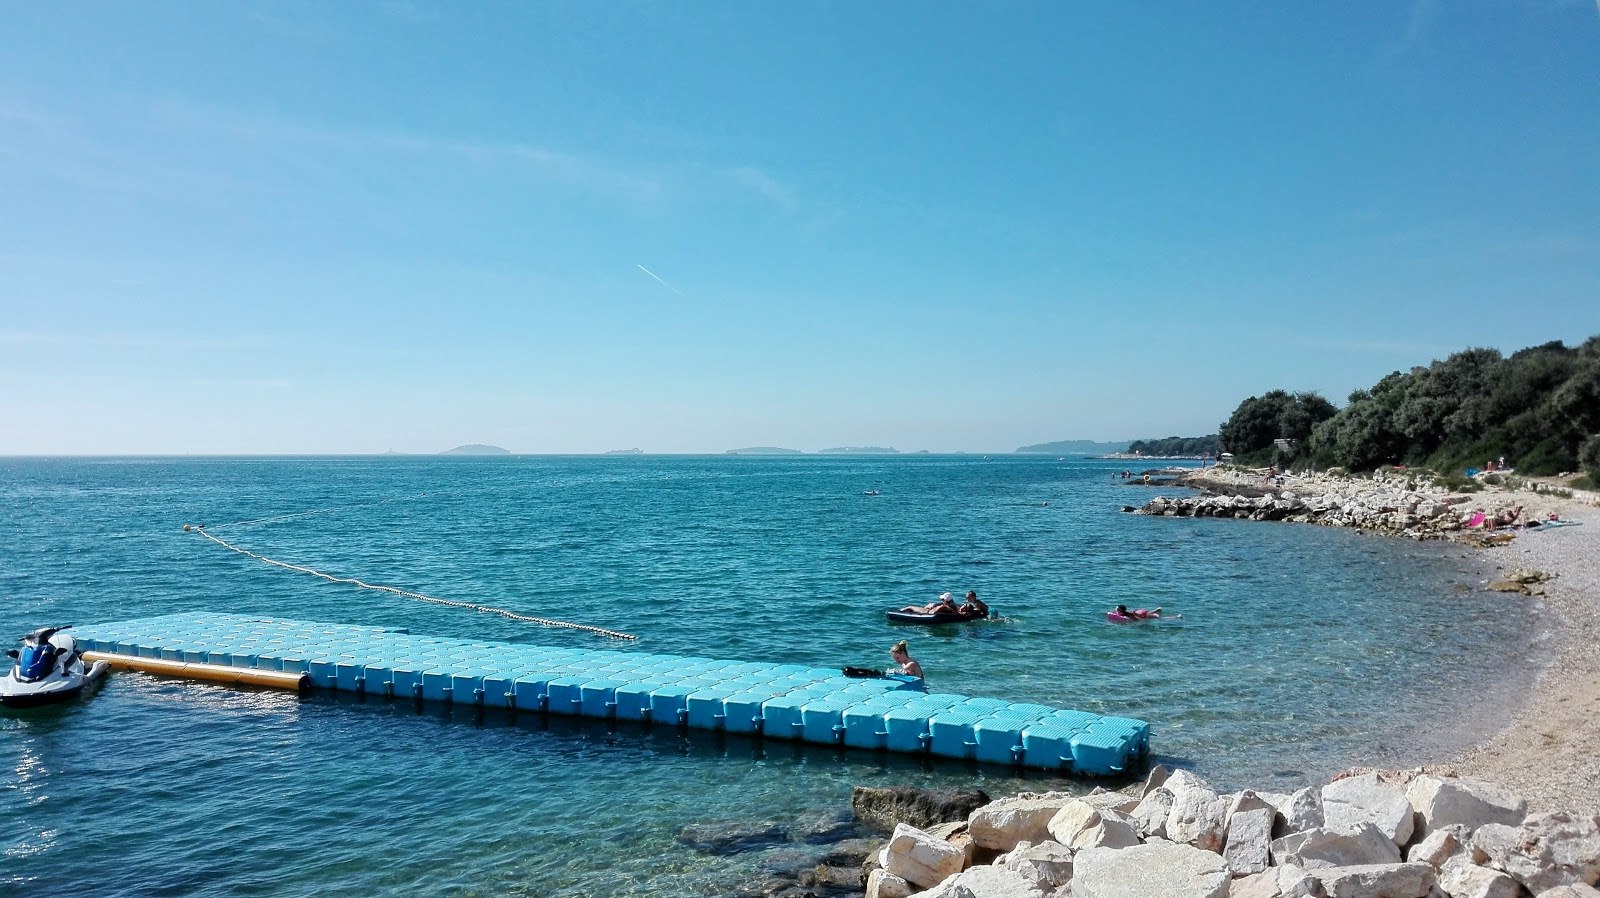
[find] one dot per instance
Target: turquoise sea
(1300, 650)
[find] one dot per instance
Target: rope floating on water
(487, 609)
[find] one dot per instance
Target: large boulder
(883, 884)
(1166, 869)
(1199, 816)
(1379, 881)
(1000, 825)
(1576, 890)
(1441, 802)
(1303, 811)
(1439, 846)
(987, 881)
(1247, 849)
(1461, 878)
(1079, 825)
(1544, 852)
(921, 859)
(923, 808)
(1277, 882)
(1048, 865)
(1315, 849)
(1150, 817)
(1121, 802)
(1367, 799)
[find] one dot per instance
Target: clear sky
(350, 227)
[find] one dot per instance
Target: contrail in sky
(658, 277)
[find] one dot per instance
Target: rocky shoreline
(1459, 831)
(1397, 503)
(1422, 833)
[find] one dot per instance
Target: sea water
(1300, 650)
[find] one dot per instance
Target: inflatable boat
(942, 617)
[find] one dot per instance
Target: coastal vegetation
(1179, 446)
(1538, 409)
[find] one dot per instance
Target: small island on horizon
(624, 452)
(476, 449)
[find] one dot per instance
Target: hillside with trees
(1539, 408)
(1176, 446)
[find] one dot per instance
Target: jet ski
(47, 669)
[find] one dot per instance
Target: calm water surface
(1288, 661)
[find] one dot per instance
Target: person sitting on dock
(946, 604)
(973, 605)
(901, 654)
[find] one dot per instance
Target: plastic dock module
(781, 701)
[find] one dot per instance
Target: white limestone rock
(1379, 881)
(1144, 871)
(1315, 849)
(1000, 825)
(984, 881)
(1304, 811)
(1150, 817)
(1199, 815)
(1247, 849)
(1439, 846)
(1461, 878)
(1576, 890)
(1546, 851)
(1047, 865)
(1367, 799)
(919, 858)
(883, 884)
(1287, 881)
(1121, 802)
(1441, 802)
(1081, 825)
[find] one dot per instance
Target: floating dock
(772, 701)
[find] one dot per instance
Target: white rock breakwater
(1397, 504)
(1410, 834)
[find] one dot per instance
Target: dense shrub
(1589, 455)
(1206, 445)
(1260, 420)
(1535, 408)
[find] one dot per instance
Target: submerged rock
(922, 808)
(732, 838)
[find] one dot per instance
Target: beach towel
(1476, 520)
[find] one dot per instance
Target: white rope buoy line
(487, 609)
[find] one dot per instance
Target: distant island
(1077, 447)
(764, 450)
(476, 449)
(624, 452)
(859, 450)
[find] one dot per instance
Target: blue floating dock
(775, 701)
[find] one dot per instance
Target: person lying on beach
(901, 654)
(945, 603)
(1508, 517)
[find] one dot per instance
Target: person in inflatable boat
(946, 604)
(1122, 611)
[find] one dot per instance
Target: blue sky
(345, 228)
